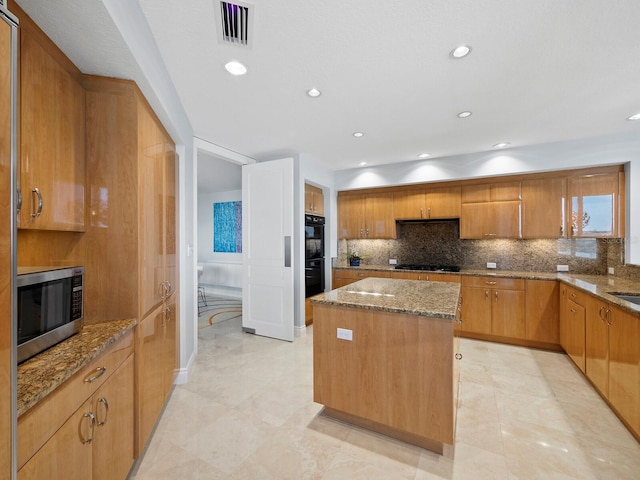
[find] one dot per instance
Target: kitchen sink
(629, 297)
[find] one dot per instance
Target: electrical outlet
(345, 334)
(611, 271)
(393, 261)
(491, 265)
(562, 268)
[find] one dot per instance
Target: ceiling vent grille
(236, 20)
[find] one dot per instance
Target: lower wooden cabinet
(344, 276)
(493, 306)
(96, 442)
(156, 350)
(597, 315)
(542, 318)
(572, 325)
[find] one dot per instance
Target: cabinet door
(594, 205)
(350, 216)
(476, 309)
(151, 210)
(542, 307)
(624, 366)
(507, 313)
(443, 202)
(409, 204)
(597, 315)
(505, 220)
(574, 341)
(543, 208)
(474, 220)
(151, 379)
(52, 168)
(114, 409)
(66, 454)
(379, 220)
(308, 199)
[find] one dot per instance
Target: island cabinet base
(395, 376)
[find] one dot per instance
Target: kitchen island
(385, 357)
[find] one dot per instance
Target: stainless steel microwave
(50, 307)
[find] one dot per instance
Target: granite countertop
(599, 285)
(42, 374)
(432, 299)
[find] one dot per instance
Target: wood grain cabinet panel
(489, 220)
(350, 216)
(366, 216)
(542, 311)
(597, 314)
(443, 202)
(543, 208)
(572, 332)
(476, 309)
(313, 200)
(409, 204)
(624, 367)
(52, 136)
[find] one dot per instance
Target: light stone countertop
(43, 373)
(598, 285)
(431, 299)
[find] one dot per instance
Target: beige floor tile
(248, 413)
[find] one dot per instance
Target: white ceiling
(540, 71)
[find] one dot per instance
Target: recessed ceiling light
(460, 52)
(235, 68)
(424, 155)
(314, 92)
(634, 117)
(358, 134)
(464, 114)
(501, 145)
(362, 164)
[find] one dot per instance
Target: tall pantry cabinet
(132, 165)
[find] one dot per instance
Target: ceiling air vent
(236, 22)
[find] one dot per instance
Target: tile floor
(247, 413)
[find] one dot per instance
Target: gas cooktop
(430, 268)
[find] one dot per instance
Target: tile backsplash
(440, 243)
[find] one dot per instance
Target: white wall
(222, 272)
(606, 150)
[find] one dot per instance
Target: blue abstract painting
(227, 227)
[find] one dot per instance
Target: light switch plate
(562, 268)
(393, 261)
(345, 334)
(491, 265)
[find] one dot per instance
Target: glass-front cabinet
(595, 206)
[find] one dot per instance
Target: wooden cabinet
(572, 325)
(596, 205)
(313, 200)
(597, 314)
(7, 267)
(543, 208)
(624, 366)
(84, 429)
(429, 203)
(52, 136)
(366, 216)
(426, 276)
(542, 311)
(492, 305)
(156, 366)
(491, 211)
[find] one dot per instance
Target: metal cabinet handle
(361, 232)
(429, 212)
(98, 373)
(573, 295)
(19, 200)
(458, 356)
(573, 310)
(421, 212)
(609, 322)
(38, 211)
(496, 293)
(561, 231)
(486, 294)
(490, 234)
(105, 403)
(92, 424)
(491, 283)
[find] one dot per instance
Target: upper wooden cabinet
(52, 135)
(543, 208)
(313, 200)
(366, 216)
(491, 211)
(596, 205)
(435, 203)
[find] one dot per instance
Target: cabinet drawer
(493, 282)
(38, 424)
(576, 296)
(360, 274)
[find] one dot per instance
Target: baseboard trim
(299, 331)
(182, 375)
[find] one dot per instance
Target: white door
(267, 248)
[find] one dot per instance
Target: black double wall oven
(313, 254)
